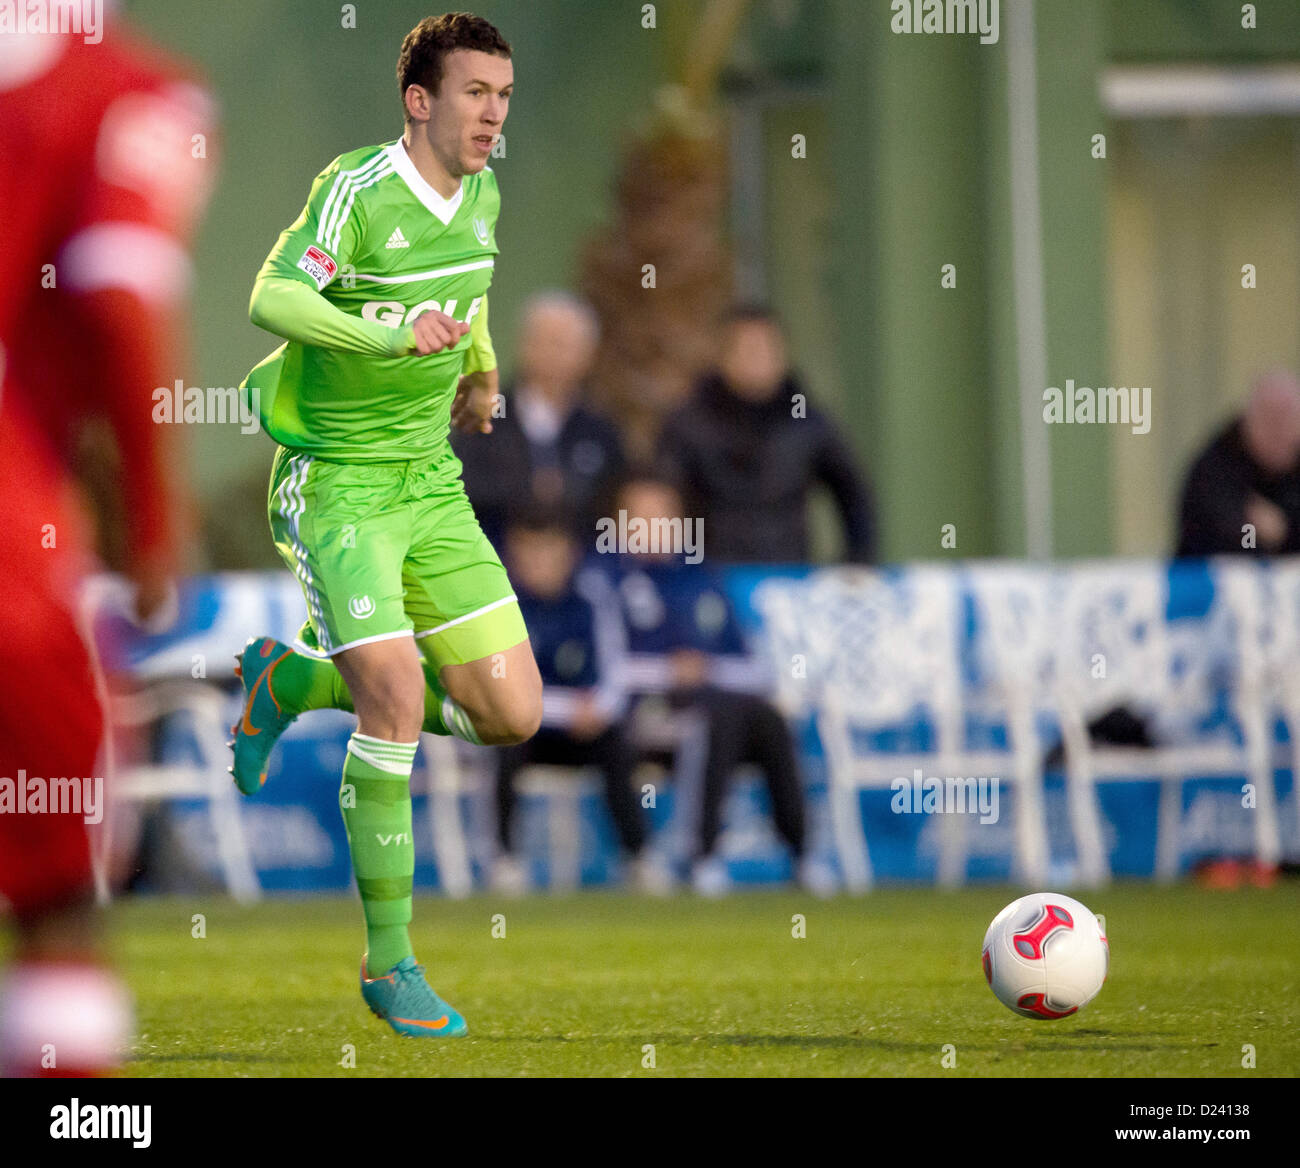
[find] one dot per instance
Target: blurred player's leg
(97, 170)
(62, 1010)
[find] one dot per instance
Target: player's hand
(436, 331)
(476, 396)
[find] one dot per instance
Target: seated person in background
(577, 640)
(546, 445)
(684, 646)
(748, 450)
(1248, 475)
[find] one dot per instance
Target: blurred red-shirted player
(105, 162)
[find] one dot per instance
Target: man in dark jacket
(1243, 493)
(748, 448)
(546, 446)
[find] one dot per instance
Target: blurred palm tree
(660, 274)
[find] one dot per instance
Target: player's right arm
(124, 265)
(307, 258)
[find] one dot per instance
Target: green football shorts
(390, 549)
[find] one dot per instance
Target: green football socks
(375, 799)
(306, 683)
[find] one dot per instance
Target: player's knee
(520, 725)
(392, 707)
(529, 720)
(515, 723)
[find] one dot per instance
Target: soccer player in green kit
(380, 291)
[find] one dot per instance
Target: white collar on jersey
(442, 209)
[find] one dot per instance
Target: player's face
(467, 115)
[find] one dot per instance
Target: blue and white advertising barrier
(903, 687)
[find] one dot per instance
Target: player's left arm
(125, 264)
(480, 386)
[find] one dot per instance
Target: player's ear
(417, 100)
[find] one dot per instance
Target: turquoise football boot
(404, 1000)
(263, 720)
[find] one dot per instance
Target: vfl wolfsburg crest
(481, 231)
(361, 607)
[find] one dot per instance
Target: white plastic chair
(1117, 648)
(445, 781)
(783, 606)
(563, 788)
(164, 692)
(1275, 604)
(883, 650)
(1015, 652)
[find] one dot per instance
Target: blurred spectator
(1249, 474)
(748, 450)
(547, 445)
(576, 637)
(686, 652)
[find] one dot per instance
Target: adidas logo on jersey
(397, 239)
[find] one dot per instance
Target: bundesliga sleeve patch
(318, 266)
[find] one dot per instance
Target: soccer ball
(1045, 956)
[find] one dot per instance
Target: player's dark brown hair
(426, 46)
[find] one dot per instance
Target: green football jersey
(378, 242)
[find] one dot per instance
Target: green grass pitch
(583, 985)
